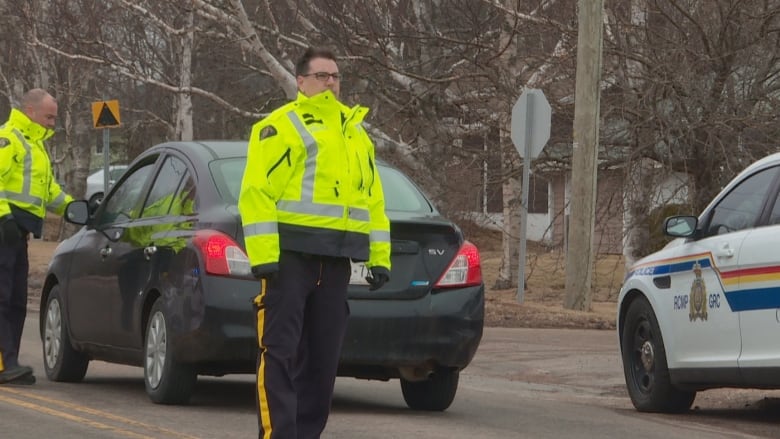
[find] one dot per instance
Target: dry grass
(542, 304)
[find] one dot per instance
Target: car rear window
(400, 193)
(227, 175)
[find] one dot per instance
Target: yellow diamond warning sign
(105, 114)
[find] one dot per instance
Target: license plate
(359, 273)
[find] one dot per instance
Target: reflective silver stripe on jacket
(307, 204)
(379, 236)
(307, 189)
(358, 214)
(59, 201)
(25, 196)
(264, 228)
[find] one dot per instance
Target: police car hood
(674, 243)
(660, 254)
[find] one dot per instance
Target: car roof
(758, 165)
(208, 150)
(769, 160)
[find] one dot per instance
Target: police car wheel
(434, 394)
(60, 361)
(645, 366)
(166, 381)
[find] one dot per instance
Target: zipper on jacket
(373, 171)
(285, 156)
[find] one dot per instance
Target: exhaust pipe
(416, 373)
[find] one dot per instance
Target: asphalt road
(523, 383)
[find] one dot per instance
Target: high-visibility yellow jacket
(311, 185)
(26, 178)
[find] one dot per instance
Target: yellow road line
(87, 410)
(69, 417)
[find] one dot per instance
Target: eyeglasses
(323, 76)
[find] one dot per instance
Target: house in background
(549, 207)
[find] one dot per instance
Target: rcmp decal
(745, 289)
(698, 297)
(268, 131)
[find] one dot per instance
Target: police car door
(757, 296)
(706, 328)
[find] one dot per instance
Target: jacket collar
(327, 101)
(28, 128)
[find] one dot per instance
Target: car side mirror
(77, 212)
(680, 226)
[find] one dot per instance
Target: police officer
(27, 189)
(310, 201)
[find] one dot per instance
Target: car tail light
(221, 254)
(464, 270)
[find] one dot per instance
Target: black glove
(378, 277)
(269, 272)
(10, 235)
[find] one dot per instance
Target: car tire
(644, 363)
(434, 394)
(166, 381)
(60, 361)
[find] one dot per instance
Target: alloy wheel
(156, 348)
(52, 333)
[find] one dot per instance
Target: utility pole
(579, 255)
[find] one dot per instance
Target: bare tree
(689, 87)
(692, 87)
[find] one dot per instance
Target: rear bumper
(221, 337)
(441, 329)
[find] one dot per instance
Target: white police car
(704, 312)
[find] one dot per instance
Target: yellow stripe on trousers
(265, 415)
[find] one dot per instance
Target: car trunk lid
(422, 250)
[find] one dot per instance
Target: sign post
(105, 114)
(530, 131)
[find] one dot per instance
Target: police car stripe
(747, 289)
(754, 299)
(671, 265)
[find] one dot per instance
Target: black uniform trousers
(14, 267)
(301, 320)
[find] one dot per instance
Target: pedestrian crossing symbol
(105, 114)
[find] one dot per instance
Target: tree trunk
(510, 242)
(636, 208)
(184, 126)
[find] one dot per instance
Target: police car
(704, 312)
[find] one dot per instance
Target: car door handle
(105, 252)
(725, 252)
(149, 251)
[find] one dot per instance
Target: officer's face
(44, 113)
(320, 77)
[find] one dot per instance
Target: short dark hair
(33, 97)
(302, 66)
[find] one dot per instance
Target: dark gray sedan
(158, 278)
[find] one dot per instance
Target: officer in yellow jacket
(27, 190)
(311, 200)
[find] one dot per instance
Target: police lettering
(681, 302)
(714, 301)
(644, 271)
